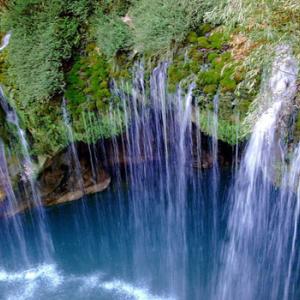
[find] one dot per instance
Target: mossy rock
(203, 42)
(172, 87)
(217, 40)
(195, 55)
(244, 105)
(228, 85)
(88, 77)
(222, 59)
(212, 56)
(208, 77)
(3, 67)
(228, 72)
(297, 128)
(194, 66)
(192, 37)
(176, 73)
(210, 89)
(205, 28)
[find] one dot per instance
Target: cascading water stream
(43, 237)
(12, 205)
(215, 170)
(253, 225)
(74, 154)
(78, 184)
(157, 229)
(162, 144)
(290, 200)
(5, 41)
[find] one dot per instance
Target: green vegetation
(44, 35)
(207, 59)
(256, 27)
(74, 48)
(44, 60)
(87, 82)
(160, 23)
(111, 33)
(228, 132)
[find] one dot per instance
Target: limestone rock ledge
(63, 180)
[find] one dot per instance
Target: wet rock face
(283, 80)
(279, 91)
(283, 84)
(61, 181)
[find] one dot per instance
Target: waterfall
(42, 238)
(5, 41)
(256, 212)
(159, 228)
(74, 154)
(159, 144)
(78, 184)
(215, 168)
(290, 200)
(18, 249)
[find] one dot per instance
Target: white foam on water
(25, 292)
(128, 290)
(44, 280)
(25, 284)
(45, 272)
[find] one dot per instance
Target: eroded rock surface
(61, 182)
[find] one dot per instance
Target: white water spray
(5, 41)
(251, 225)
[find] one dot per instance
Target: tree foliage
(49, 54)
(44, 34)
(111, 33)
(158, 23)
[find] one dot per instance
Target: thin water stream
(165, 228)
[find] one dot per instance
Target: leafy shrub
(111, 33)
(158, 23)
(116, 7)
(44, 34)
(87, 82)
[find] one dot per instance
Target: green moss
(210, 89)
(243, 106)
(195, 55)
(205, 28)
(297, 128)
(220, 61)
(217, 40)
(194, 66)
(212, 56)
(203, 42)
(208, 77)
(3, 67)
(192, 37)
(228, 85)
(88, 78)
(228, 130)
(176, 73)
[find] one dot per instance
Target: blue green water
(103, 251)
